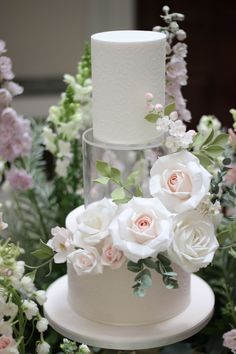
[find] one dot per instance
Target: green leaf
(32, 274)
(44, 252)
(138, 191)
(198, 139)
(150, 263)
(209, 138)
(214, 151)
(134, 267)
(163, 259)
(221, 139)
(115, 174)
(169, 108)
(103, 168)
(152, 117)
(122, 201)
(205, 161)
(131, 180)
(118, 194)
(232, 252)
(102, 180)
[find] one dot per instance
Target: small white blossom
(177, 128)
(162, 125)
(42, 348)
(40, 296)
(61, 243)
(8, 309)
(27, 284)
(173, 143)
(54, 114)
(49, 139)
(64, 148)
(30, 309)
(19, 269)
(207, 123)
(62, 166)
(42, 325)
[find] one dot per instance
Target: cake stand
(82, 330)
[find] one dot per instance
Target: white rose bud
(42, 325)
(42, 348)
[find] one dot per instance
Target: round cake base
(77, 328)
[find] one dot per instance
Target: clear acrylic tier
(127, 158)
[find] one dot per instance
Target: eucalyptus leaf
(150, 263)
(134, 267)
(139, 291)
(163, 259)
(103, 168)
(118, 194)
(151, 117)
(169, 108)
(102, 180)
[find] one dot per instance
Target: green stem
(39, 266)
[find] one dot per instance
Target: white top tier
(125, 66)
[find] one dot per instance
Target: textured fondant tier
(125, 66)
(108, 297)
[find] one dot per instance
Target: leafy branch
(124, 191)
(153, 116)
(143, 279)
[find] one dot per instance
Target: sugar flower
(2, 46)
(8, 345)
(42, 325)
(43, 348)
(111, 255)
(14, 88)
(5, 98)
(6, 68)
(86, 261)
(61, 243)
(30, 308)
(230, 339)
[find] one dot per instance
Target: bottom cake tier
(108, 297)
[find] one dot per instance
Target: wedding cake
(125, 65)
(148, 220)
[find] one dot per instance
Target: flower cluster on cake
(149, 222)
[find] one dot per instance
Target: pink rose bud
(149, 97)
(158, 107)
(174, 115)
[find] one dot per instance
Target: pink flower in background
(230, 177)
(2, 46)
(6, 68)
(230, 339)
(15, 138)
(8, 345)
(19, 179)
(13, 88)
(176, 70)
(180, 50)
(5, 98)
(232, 138)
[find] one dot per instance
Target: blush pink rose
(111, 255)
(8, 345)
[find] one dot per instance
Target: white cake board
(77, 328)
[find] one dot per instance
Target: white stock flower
(179, 181)
(49, 138)
(42, 348)
(71, 129)
(3, 225)
(40, 297)
(30, 309)
(61, 243)
(64, 148)
(180, 50)
(42, 325)
(194, 242)
(62, 166)
(27, 284)
(54, 114)
(86, 261)
(142, 229)
(93, 223)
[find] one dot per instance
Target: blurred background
(45, 39)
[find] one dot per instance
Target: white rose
(179, 181)
(61, 243)
(42, 325)
(194, 242)
(43, 348)
(143, 229)
(86, 261)
(30, 309)
(40, 296)
(93, 223)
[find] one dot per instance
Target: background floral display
(36, 197)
